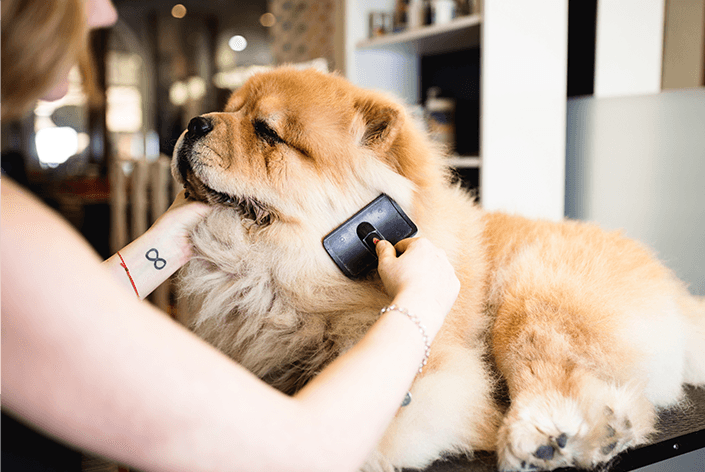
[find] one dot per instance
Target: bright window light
(178, 93)
(56, 145)
(124, 113)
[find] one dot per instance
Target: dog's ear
(381, 123)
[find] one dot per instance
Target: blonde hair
(41, 41)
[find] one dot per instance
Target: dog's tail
(695, 340)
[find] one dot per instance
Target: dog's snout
(199, 126)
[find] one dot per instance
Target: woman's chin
(59, 90)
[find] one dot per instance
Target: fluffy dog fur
(589, 332)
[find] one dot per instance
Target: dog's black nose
(200, 126)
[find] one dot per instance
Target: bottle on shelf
(415, 14)
(440, 116)
(401, 16)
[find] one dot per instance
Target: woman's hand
(159, 252)
(420, 279)
(179, 219)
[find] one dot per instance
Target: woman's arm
(86, 362)
(153, 257)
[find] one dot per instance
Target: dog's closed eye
(266, 132)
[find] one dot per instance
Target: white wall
(638, 163)
(393, 69)
(629, 47)
(396, 71)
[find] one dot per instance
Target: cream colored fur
(589, 332)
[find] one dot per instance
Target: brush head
(351, 244)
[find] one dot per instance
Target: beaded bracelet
(422, 328)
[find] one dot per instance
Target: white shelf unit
(402, 51)
(522, 91)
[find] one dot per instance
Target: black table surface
(686, 419)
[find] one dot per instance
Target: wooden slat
(160, 180)
(118, 206)
(139, 199)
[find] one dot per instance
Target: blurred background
(161, 64)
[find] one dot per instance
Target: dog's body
(590, 333)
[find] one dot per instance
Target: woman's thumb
(385, 249)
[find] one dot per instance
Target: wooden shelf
(461, 33)
(464, 162)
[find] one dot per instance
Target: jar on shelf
(443, 11)
(467, 7)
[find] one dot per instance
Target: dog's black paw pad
(545, 452)
(608, 448)
(562, 440)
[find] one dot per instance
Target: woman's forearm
(107, 373)
(353, 400)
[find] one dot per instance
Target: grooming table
(681, 430)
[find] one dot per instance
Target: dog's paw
(535, 434)
(552, 431)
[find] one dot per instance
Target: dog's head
(305, 150)
(288, 139)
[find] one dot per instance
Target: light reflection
(237, 43)
(268, 20)
(178, 11)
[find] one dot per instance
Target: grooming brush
(351, 245)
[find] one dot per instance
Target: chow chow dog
(584, 330)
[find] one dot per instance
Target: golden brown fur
(589, 331)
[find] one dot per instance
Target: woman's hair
(41, 41)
